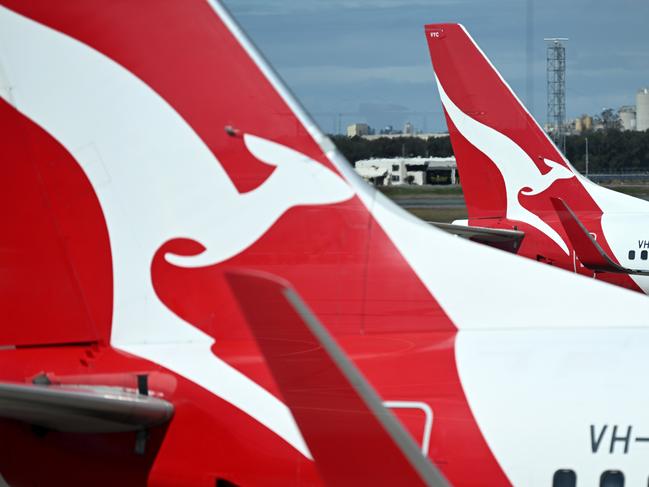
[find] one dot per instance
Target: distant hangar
(408, 170)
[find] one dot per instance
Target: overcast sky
(368, 59)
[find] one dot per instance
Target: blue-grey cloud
(339, 55)
(289, 7)
(344, 75)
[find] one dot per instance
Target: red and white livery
(515, 178)
(152, 158)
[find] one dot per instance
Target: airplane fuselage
(509, 386)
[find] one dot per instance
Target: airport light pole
(586, 156)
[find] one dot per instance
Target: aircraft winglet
(354, 439)
(589, 252)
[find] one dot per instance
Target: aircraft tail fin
(500, 149)
(129, 134)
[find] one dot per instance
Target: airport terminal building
(408, 170)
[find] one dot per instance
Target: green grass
(442, 215)
(633, 189)
(447, 215)
(640, 190)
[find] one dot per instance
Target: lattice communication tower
(556, 73)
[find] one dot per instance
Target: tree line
(609, 150)
(358, 148)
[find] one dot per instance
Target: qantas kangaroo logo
(297, 180)
(156, 181)
(520, 173)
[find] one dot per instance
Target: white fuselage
(547, 400)
(625, 223)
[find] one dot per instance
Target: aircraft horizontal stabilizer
(354, 439)
(82, 409)
(589, 252)
(503, 239)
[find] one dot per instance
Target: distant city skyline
(367, 61)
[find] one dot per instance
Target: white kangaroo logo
(520, 173)
(297, 180)
(157, 180)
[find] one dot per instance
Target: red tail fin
(55, 256)
(500, 149)
(510, 169)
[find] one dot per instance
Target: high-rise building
(627, 117)
(583, 124)
(357, 129)
(642, 109)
